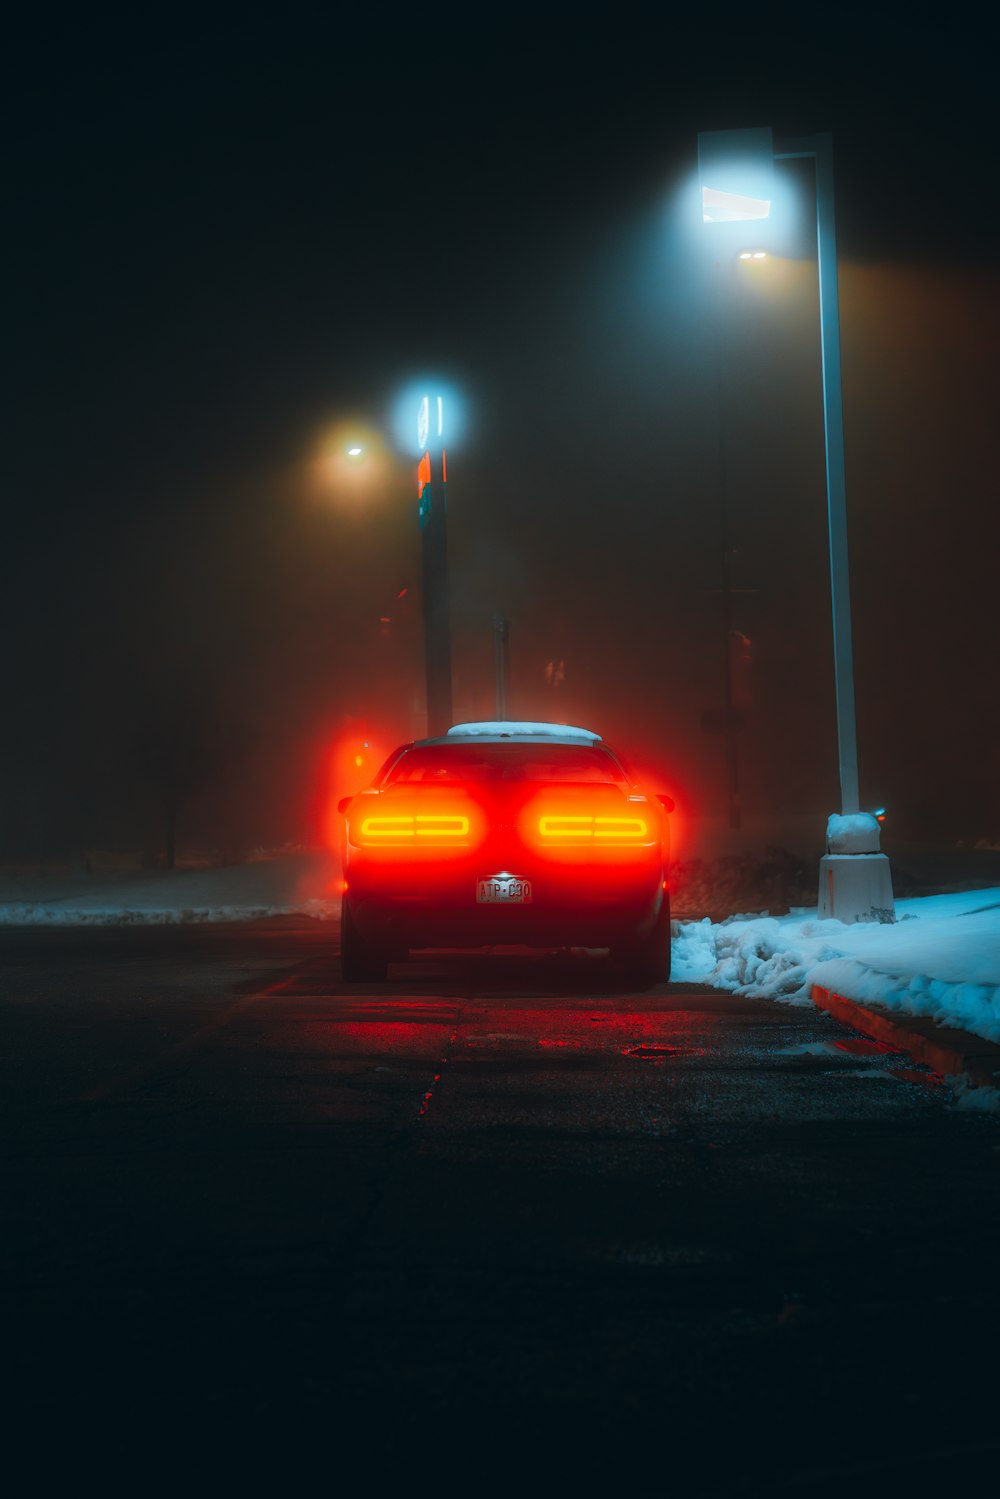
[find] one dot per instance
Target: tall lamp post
(432, 478)
(735, 169)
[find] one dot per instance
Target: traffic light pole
(433, 513)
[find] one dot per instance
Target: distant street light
(736, 171)
(352, 460)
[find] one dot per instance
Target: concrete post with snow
(854, 879)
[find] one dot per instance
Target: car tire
(360, 961)
(647, 959)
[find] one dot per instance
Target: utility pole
(820, 149)
(731, 718)
(433, 516)
(501, 658)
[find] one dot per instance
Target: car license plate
(503, 890)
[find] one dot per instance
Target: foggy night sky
(228, 238)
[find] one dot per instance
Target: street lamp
(736, 175)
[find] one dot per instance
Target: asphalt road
(492, 1225)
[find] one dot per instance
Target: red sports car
(506, 834)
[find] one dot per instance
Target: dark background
(232, 236)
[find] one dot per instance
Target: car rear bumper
(585, 906)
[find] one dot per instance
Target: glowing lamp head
(354, 452)
(430, 421)
(719, 207)
(735, 172)
(418, 416)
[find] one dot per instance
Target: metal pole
(725, 571)
(437, 615)
(501, 642)
(820, 148)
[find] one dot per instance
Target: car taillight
(560, 827)
(429, 827)
(414, 823)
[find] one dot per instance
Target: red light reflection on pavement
(628, 1033)
(860, 1046)
(647, 1026)
(425, 1102)
(386, 1034)
(926, 1079)
(655, 1053)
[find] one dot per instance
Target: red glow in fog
(354, 757)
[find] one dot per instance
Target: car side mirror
(666, 802)
(344, 803)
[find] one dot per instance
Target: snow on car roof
(517, 729)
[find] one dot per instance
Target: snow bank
(940, 959)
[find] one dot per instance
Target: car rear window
(505, 762)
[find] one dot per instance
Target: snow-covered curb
(54, 915)
(940, 959)
(299, 884)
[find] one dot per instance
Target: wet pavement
(495, 1222)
